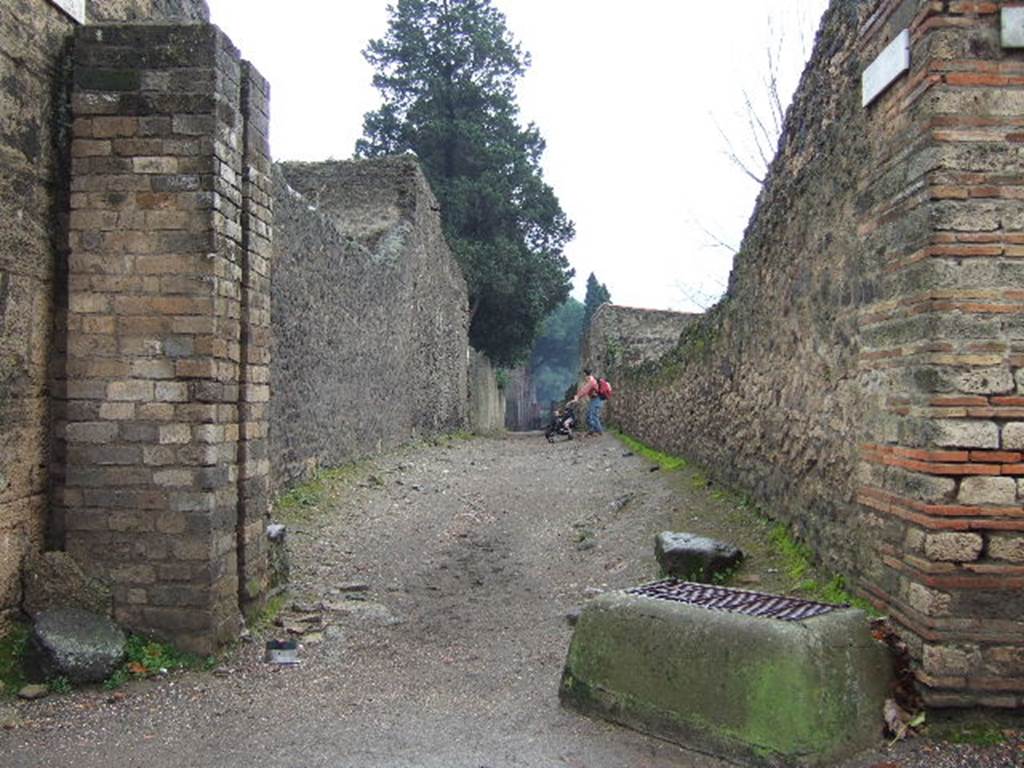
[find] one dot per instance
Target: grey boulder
(694, 558)
(82, 646)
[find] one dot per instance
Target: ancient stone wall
(486, 398)
(33, 193)
(862, 376)
(371, 315)
(141, 11)
(629, 336)
(521, 410)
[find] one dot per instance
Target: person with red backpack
(598, 390)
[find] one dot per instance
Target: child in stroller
(563, 421)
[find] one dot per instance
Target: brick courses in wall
(370, 333)
(862, 376)
(165, 493)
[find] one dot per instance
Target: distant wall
(629, 336)
(863, 375)
(370, 315)
(486, 398)
(521, 409)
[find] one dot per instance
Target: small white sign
(73, 8)
(890, 64)
(1013, 27)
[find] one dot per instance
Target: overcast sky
(629, 98)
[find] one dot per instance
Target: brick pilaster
(155, 325)
(254, 369)
(941, 463)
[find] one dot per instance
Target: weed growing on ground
(299, 502)
(59, 684)
(263, 620)
(12, 653)
(144, 658)
(798, 559)
(982, 733)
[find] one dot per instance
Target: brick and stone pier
(169, 327)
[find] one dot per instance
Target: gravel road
(471, 553)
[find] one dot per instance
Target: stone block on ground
(694, 558)
(741, 687)
(55, 580)
(77, 644)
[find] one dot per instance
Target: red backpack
(604, 389)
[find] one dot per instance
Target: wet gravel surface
(432, 588)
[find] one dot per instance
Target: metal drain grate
(734, 600)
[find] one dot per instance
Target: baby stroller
(563, 422)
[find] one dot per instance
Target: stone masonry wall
(629, 336)
(862, 376)
(168, 340)
(140, 11)
(370, 307)
(33, 193)
(620, 338)
(486, 398)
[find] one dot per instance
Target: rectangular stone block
(710, 680)
(91, 432)
(175, 434)
(998, 491)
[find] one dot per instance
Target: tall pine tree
(447, 71)
(597, 294)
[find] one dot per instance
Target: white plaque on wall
(73, 8)
(1013, 27)
(890, 64)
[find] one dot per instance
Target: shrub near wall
(370, 315)
(862, 375)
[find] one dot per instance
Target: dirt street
(468, 555)
(473, 552)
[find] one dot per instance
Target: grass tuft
(60, 684)
(263, 620)
(980, 734)
(302, 500)
(663, 460)
(145, 658)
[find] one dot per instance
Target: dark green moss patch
(12, 652)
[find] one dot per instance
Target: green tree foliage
(597, 294)
(556, 352)
(447, 71)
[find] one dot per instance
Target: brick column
(155, 326)
(943, 349)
